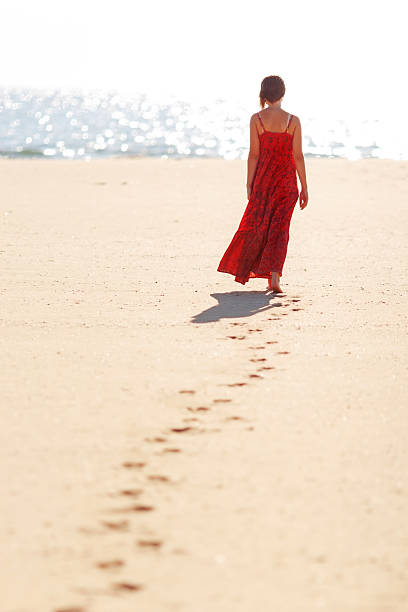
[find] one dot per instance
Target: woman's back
(277, 120)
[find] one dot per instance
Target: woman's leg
(273, 282)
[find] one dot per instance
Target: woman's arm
(253, 155)
(300, 162)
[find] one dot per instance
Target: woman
(258, 248)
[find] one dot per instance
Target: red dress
(259, 246)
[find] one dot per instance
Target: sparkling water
(74, 124)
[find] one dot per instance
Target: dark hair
(272, 89)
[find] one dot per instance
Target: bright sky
(338, 59)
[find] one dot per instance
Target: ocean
(74, 124)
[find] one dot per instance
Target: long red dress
(260, 244)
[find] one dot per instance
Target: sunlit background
(83, 79)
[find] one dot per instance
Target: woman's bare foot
(273, 282)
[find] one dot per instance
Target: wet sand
(172, 440)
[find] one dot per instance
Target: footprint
(134, 464)
(191, 391)
(157, 439)
(221, 401)
(181, 429)
(255, 376)
(171, 450)
(260, 359)
(126, 586)
(110, 564)
(137, 508)
(116, 525)
(158, 478)
(150, 543)
(131, 492)
(198, 409)
(241, 384)
(266, 368)
(272, 342)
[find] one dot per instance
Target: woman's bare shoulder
(295, 120)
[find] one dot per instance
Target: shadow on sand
(239, 304)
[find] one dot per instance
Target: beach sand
(174, 441)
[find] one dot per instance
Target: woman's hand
(249, 191)
(303, 198)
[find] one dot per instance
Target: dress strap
(259, 117)
(289, 120)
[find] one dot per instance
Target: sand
(173, 440)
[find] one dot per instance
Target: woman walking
(259, 246)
